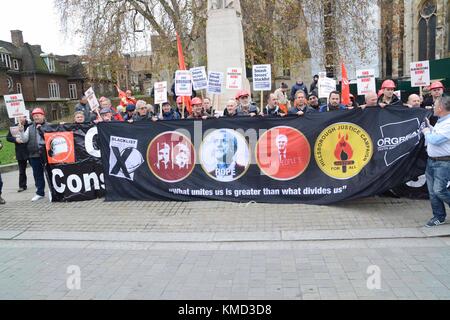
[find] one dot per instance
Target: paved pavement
(218, 250)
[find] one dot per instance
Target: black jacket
(395, 101)
(21, 148)
(272, 112)
(306, 109)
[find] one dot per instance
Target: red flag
(345, 87)
(122, 96)
(182, 66)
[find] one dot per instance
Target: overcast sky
(40, 24)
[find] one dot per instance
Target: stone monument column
(225, 43)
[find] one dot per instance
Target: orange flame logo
(343, 150)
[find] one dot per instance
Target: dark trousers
(1, 184)
(22, 173)
(38, 174)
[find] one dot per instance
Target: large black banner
(320, 158)
(72, 161)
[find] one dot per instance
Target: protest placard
(262, 77)
(15, 105)
(326, 85)
(92, 99)
(199, 79)
(365, 81)
(183, 83)
(234, 79)
(160, 92)
(420, 73)
(215, 80)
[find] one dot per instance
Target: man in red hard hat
(35, 140)
(197, 109)
(437, 91)
(388, 98)
(245, 105)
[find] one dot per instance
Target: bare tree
(112, 27)
(277, 32)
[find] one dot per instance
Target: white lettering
(89, 142)
(60, 174)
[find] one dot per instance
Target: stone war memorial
(225, 42)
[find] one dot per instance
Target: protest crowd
(283, 102)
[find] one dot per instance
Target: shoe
(21, 189)
(434, 222)
(37, 198)
(2, 201)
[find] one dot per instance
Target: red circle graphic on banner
(283, 153)
(171, 156)
(60, 147)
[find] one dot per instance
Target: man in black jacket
(21, 154)
(388, 98)
(300, 106)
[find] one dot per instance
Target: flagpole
(160, 110)
(182, 113)
(262, 101)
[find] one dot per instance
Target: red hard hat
(179, 100)
(242, 93)
(37, 111)
(437, 85)
(388, 84)
(196, 101)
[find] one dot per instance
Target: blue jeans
(438, 176)
(38, 174)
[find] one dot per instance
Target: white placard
(15, 105)
(326, 85)
(160, 92)
(262, 77)
(15, 131)
(199, 79)
(322, 74)
(215, 80)
(183, 83)
(27, 115)
(234, 78)
(92, 99)
(420, 73)
(365, 80)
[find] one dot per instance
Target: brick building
(45, 80)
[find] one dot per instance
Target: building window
(72, 91)
(6, 59)
(53, 90)
(135, 78)
(16, 64)
(19, 87)
(427, 31)
(50, 62)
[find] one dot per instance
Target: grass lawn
(7, 154)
